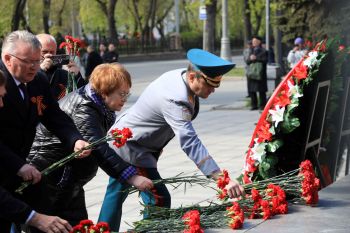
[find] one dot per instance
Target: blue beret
(210, 64)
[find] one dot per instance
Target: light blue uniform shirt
(163, 110)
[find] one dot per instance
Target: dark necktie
(24, 90)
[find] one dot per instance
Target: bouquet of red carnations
(264, 199)
(119, 138)
(72, 47)
(88, 226)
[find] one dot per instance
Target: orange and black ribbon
(38, 100)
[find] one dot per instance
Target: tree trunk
(112, 29)
(46, 15)
(18, 12)
(247, 21)
(60, 12)
(259, 18)
(186, 25)
(135, 12)
(160, 24)
(112, 34)
(153, 10)
(210, 25)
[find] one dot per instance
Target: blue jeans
(111, 210)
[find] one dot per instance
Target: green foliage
(191, 35)
(257, 8)
(267, 167)
(289, 123)
(236, 72)
(313, 18)
(5, 19)
(235, 19)
(274, 145)
(92, 17)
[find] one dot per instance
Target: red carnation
(127, 133)
(300, 71)
(306, 166)
(192, 221)
(103, 227)
(282, 99)
(263, 132)
(120, 136)
(236, 223)
(77, 229)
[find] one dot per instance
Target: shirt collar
(16, 81)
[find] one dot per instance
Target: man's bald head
(48, 43)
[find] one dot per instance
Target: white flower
(294, 90)
(258, 151)
(277, 115)
(311, 60)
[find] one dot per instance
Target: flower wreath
(278, 115)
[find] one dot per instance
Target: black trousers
(254, 100)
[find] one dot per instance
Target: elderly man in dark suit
(11, 208)
(28, 101)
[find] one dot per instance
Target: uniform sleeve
(89, 124)
(178, 115)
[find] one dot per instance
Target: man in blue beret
(164, 110)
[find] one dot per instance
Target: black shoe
(253, 108)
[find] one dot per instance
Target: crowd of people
(40, 123)
(256, 58)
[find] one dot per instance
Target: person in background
(111, 55)
(166, 110)
(57, 76)
(92, 109)
(93, 60)
(246, 52)
(28, 101)
(102, 49)
(270, 52)
(15, 210)
(297, 53)
(258, 54)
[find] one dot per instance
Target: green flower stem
(214, 215)
(65, 160)
(193, 179)
(215, 220)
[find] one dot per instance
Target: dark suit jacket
(93, 59)
(58, 78)
(12, 209)
(110, 57)
(18, 123)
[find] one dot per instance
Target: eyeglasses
(27, 62)
(124, 95)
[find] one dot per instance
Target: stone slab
(331, 215)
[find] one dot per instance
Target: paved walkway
(225, 129)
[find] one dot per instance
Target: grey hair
(9, 44)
